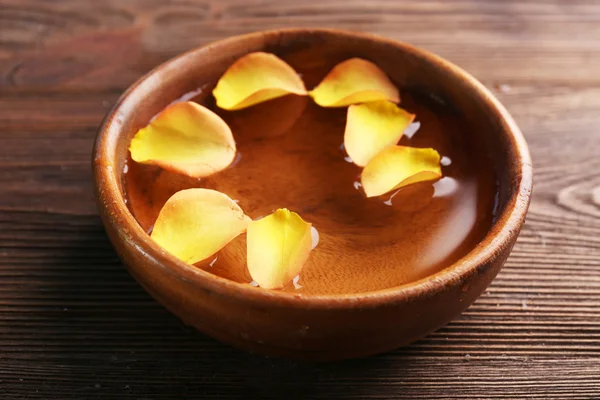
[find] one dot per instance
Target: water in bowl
(290, 154)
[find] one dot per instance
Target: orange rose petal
(372, 127)
(196, 223)
(399, 166)
(278, 247)
(255, 78)
(354, 81)
(186, 138)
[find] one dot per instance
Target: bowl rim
(499, 238)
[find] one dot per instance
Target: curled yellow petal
(399, 166)
(186, 138)
(255, 78)
(278, 247)
(372, 127)
(354, 81)
(196, 223)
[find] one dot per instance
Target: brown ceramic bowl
(313, 327)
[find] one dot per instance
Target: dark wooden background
(74, 324)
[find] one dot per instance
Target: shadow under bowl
(319, 327)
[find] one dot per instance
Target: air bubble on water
(412, 129)
(445, 187)
(125, 168)
(315, 236)
(295, 282)
(388, 202)
(236, 160)
(445, 161)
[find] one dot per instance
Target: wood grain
(73, 324)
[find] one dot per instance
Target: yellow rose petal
(255, 78)
(186, 138)
(372, 127)
(399, 166)
(278, 247)
(354, 81)
(196, 223)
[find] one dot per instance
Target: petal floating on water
(354, 81)
(196, 223)
(399, 166)
(372, 127)
(278, 246)
(186, 138)
(255, 78)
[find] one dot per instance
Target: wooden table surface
(75, 325)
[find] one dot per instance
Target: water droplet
(253, 283)
(315, 236)
(236, 160)
(348, 159)
(445, 187)
(388, 202)
(445, 161)
(125, 168)
(295, 282)
(412, 129)
(357, 185)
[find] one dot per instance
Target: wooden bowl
(313, 327)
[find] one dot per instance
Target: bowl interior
(494, 136)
